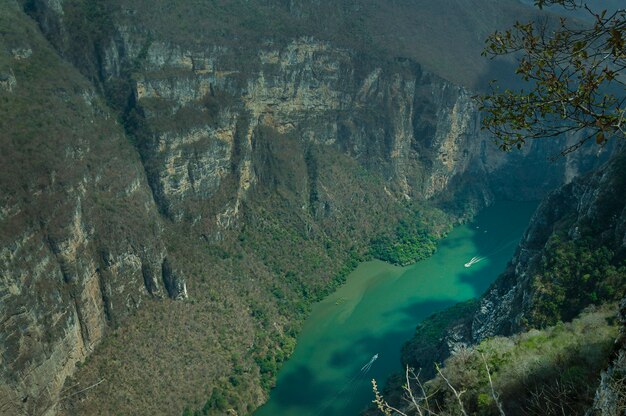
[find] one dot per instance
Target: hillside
(551, 371)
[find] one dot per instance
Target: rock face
(129, 139)
(588, 212)
(412, 128)
(590, 206)
(79, 232)
(199, 112)
(610, 398)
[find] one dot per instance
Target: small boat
(473, 261)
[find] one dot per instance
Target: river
(377, 310)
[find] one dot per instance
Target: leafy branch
(576, 78)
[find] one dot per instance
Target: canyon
(180, 183)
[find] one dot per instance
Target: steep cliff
(179, 184)
(79, 232)
(571, 256)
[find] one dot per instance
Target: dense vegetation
(574, 274)
(414, 239)
(429, 347)
(541, 372)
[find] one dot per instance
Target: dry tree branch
(495, 396)
(409, 390)
(456, 393)
(419, 401)
(381, 404)
(421, 404)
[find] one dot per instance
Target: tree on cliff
(575, 72)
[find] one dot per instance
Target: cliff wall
(80, 236)
(572, 256)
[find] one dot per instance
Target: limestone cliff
(590, 209)
(72, 263)
(197, 112)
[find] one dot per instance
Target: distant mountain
(581, 13)
(444, 36)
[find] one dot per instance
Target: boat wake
(473, 261)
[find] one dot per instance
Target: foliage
(410, 245)
(575, 76)
(549, 372)
(574, 274)
(565, 356)
(414, 239)
(433, 327)
(426, 345)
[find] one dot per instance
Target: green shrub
(530, 371)
(575, 274)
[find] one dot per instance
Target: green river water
(377, 310)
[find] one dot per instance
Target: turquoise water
(377, 310)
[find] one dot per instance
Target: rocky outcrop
(610, 398)
(172, 281)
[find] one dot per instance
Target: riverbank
(375, 312)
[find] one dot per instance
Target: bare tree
(417, 396)
(494, 395)
(551, 400)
